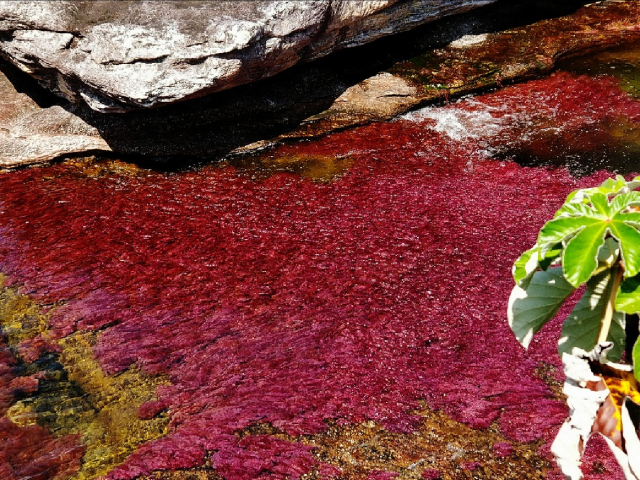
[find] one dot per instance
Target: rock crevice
(122, 55)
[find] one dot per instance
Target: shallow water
(610, 142)
(333, 282)
(620, 63)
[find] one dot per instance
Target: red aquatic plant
(290, 302)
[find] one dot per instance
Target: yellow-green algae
(317, 168)
(20, 317)
(113, 430)
(74, 395)
(96, 167)
(439, 443)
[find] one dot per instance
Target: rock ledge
(122, 55)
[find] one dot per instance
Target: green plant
(593, 240)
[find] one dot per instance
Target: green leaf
(582, 327)
(584, 195)
(633, 184)
(525, 266)
(628, 297)
(573, 210)
(561, 228)
(580, 257)
(575, 197)
(600, 204)
(609, 187)
(551, 256)
(625, 200)
(608, 253)
(629, 239)
(613, 184)
(583, 226)
(529, 309)
(594, 232)
(617, 336)
(636, 359)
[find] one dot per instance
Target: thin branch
(608, 314)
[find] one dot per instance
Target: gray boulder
(33, 131)
(124, 55)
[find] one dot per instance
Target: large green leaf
(620, 202)
(608, 253)
(582, 327)
(529, 309)
(580, 257)
(629, 239)
(617, 336)
(572, 210)
(610, 187)
(594, 233)
(561, 229)
(583, 226)
(628, 297)
(525, 266)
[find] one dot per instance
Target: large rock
(346, 89)
(123, 55)
(35, 131)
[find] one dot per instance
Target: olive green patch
(74, 395)
(318, 168)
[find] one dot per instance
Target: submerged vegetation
(299, 314)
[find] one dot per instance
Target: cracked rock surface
(32, 132)
(375, 82)
(122, 55)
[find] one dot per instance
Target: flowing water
(267, 313)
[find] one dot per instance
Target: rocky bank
(122, 55)
(436, 62)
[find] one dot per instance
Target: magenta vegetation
(292, 302)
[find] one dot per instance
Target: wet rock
(118, 56)
(478, 62)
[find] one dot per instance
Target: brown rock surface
(31, 134)
(330, 94)
(477, 62)
(122, 55)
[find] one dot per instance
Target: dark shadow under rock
(290, 104)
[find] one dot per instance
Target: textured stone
(32, 134)
(476, 62)
(341, 91)
(123, 55)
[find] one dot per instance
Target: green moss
(74, 395)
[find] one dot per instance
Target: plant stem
(608, 313)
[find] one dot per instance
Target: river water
(359, 279)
